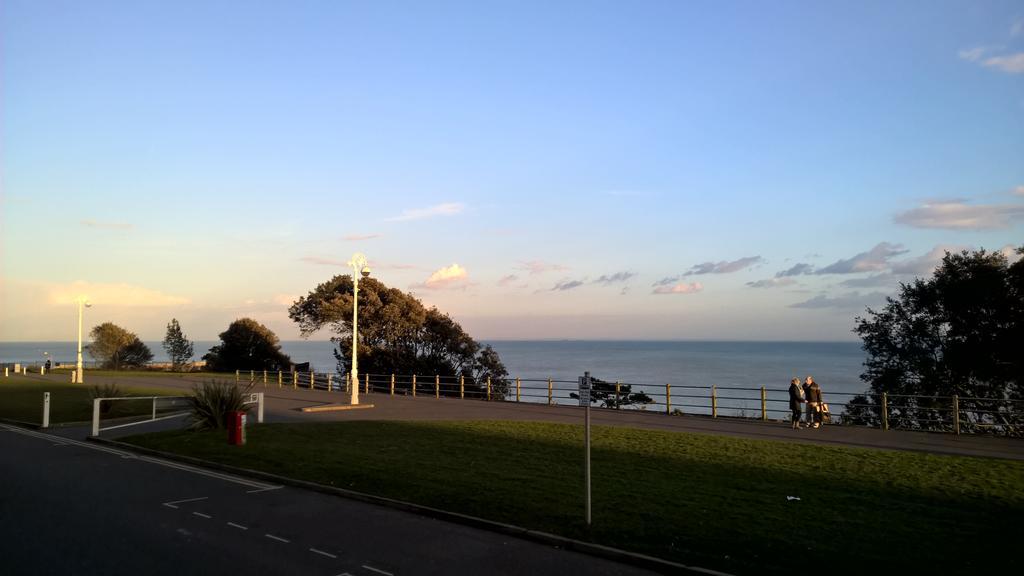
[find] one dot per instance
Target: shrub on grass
(211, 402)
(109, 390)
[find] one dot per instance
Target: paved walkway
(284, 404)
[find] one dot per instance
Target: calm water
(836, 365)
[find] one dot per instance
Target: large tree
(247, 345)
(179, 348)
(117, 348)
(397, 334)
(956, 333)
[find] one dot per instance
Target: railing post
(252, 376)
(549, 391)
(295, 380)
(264, 378)
(437, 386)
(312, 378)
(279, 379)
(518, 388)
(259, 407)
(348, 382)
(956, 414)
(714, 401)
(413, 385)
(617, 395)
(237, 375)
(488, 388)
(330, 385)
(366, 383)
(462, 387)
(154, 407)
(46, 409)
(764, 404)
(392, 384)
(885, 411)
(668, 398)
(96, 417)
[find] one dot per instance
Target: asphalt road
(72, 507)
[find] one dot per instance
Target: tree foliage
(179, 349)
(397, 334)
(117, 348)
(957, 333)
(247, 345)
(605, 393)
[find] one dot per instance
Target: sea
(650, 364)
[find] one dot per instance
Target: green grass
(716, 502)
(22, 399)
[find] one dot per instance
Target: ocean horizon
(724, 363)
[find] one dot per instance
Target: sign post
(584, 393)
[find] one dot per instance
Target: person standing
(808, 414)
(813, 397)
(796, 398)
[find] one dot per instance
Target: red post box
(236, 428)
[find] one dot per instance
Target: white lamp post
(359, 268)
(79, 376)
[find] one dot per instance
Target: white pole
(355, 336)
(79, 377)
(46, 409)
(586, 425)
(259, 407)
(96, 417)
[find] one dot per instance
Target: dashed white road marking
(377, 570)
(278, 538)
(239, 526)
(172, 503)
(201, 515)
(322, 553)
(264, 489)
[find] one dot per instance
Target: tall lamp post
(79, 376)
(359, 268)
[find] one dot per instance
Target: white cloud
(799, 269)
(284, 299)
(1019, 190)
(114, 295)
(874, 260)
(772, 282)
(567, 285)
(453, 276)
(608, 279)
(684, 288)
(849, 301)
(507, 280)
(958, 215)
(1010, 63)
(445, 209)
(358, 237)
(925, 264)
(724, 267)
(973, 54)
(535, 267)
(107, 225)
(1010, 252)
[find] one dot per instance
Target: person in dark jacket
(796, 398)
(813, 398)
(808, 413)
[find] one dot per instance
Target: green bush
(212, 401)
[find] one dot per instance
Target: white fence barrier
(174, 402)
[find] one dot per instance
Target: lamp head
(365, 272)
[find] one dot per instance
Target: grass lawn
(22, 399)
(710, 501)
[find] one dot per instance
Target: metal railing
(952, 414)
(163, 408)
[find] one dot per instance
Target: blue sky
(721, 170)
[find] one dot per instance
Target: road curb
(608, 552)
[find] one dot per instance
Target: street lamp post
(359, 268)
(79, 376)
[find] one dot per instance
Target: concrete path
(284, 404)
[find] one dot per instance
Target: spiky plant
(211, 402)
